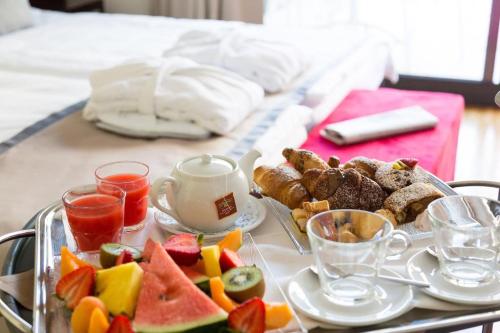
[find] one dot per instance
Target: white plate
(393, 300)
(252, 216)
(424, 267)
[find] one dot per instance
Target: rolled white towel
(171, 89)
(271, 64)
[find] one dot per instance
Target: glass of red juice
(95, 216)
(132, 177)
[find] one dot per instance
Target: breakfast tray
(51, 232)
(21, 258)
(300, 240)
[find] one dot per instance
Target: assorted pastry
(178, 286)
(307, 184)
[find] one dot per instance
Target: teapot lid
(207, 165)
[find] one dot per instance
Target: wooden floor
(478, 155)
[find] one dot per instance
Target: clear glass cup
(466, 235)
(95, 215)
(132, 177)
(349, 247)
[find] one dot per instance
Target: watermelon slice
(148, 250)
(170, 302)
(200, 280)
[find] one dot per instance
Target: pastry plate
(283, 214)
(392, 300)
(52, 232)
(252, 216)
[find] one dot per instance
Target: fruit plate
(300, 240)
(52, 232)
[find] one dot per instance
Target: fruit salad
(178, 286)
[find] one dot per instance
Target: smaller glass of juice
(132, 177)
(95, 216)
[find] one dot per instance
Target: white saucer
(424, 267)
(252, 216)
(393, 300)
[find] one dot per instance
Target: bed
(44, 69)
(47, 147)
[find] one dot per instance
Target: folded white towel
(142, 95)
(269, 63)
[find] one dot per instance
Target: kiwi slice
(243, 283)
(110, 251)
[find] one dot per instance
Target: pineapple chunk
(118, 287)
(211, 255)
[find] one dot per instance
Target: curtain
(233, 10)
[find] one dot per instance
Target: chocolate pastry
(322, 183)
(346, 189)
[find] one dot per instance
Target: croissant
(303, 160)
(283, 184)
(344, 189)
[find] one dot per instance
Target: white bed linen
(45, 68)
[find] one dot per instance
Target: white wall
(128, 6)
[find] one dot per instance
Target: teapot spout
(246, 164)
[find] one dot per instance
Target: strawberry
(249, 317)
(120, 324)
(124, 257)
(409, 162)
(183, 248)
(229, 259)
(76, 285)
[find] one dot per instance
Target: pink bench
(435, 148)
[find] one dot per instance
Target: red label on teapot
(226, 206)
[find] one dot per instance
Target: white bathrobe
(170, 97)
(269, 63)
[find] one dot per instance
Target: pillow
(14, 15)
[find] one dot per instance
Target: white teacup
(208, 192)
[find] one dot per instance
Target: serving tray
(283, 214)
(52, 232)
(416, 320)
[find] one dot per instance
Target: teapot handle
(158, 189)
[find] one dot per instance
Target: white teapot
(207, 192)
